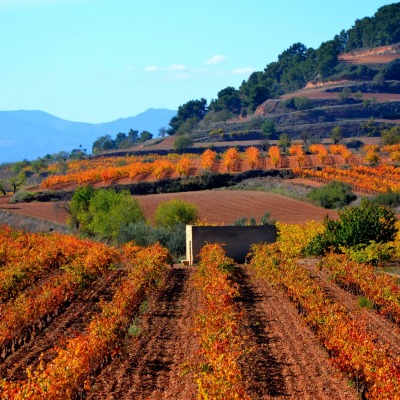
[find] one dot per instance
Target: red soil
(285, 359)
(67, 324)
(215, 206)
(151, 364)
(51, 211)
(225, 206)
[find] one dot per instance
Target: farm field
(325, 163)
(151, 347)
(140, 327)
(215, 206)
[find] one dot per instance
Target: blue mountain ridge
(29, 134)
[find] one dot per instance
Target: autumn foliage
(320, 150)
(347, 340)
(208, 159)
(70, 371)
(275, 155)
(218, 374)
(253, 157)
(378, 179)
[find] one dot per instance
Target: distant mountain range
(33, 134)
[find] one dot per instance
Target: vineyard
(80, 319)
(130, 169)
(321, 163)
(362, 178)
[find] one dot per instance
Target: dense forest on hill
(297, 66)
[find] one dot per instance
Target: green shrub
(333, 195)
(79, 208)
(240, 222)
(374, 253)
(354, 144)
(22, 196)
(109, 211)
(266, 219)
(364, 302)
(144, 234)
(218, 131)
(359, 225)
(183, 142)
(103, 212)
(389, 199)
(139, 232)
(302, 103)
(175, 212)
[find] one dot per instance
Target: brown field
(284, 358)
(51, 211)
(225, 206)
(215, 206)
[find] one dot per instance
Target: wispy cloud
(177, 67)
(153, 68)
(171, 68)
(217, 59)
(182, 72)
(242, 71)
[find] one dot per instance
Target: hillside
(349, 102)
(345, 81)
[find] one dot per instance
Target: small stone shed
(237, 239)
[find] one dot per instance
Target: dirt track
(150, 366)
(286, 360)
(384, 331)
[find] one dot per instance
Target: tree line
(121, 140)
(294, 68)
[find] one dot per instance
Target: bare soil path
(384, 331)
(150, 366)
(286, 361)
(66, 325)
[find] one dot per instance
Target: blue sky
(99, 60)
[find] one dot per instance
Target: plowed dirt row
(384, 331)
(287, 361)
(66, 325)
(150, 365)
